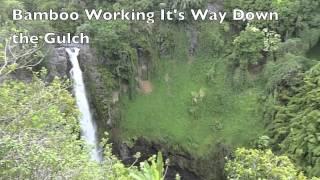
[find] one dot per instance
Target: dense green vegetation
(189, 86)
(174, 114)
(39, 137)
(295, 124)
(39, 128)
(255, 164)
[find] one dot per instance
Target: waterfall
(88, 129)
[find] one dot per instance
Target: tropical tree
(252, 164)
(251, 48)
(248, 47)
(295, 128)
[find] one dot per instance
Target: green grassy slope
(225, 114)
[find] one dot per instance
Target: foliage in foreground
(252, 164)
(39, 130)
(153, 171)
(39, 137)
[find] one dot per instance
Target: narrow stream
(88, 128)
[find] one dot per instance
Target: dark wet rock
(103, 99)
(186, 165)
(57, 63)
(124, 152)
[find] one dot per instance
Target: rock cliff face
(104, 98)
(57, 63)
(209, 167)
(101, 95)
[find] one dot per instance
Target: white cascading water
(88, 129)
